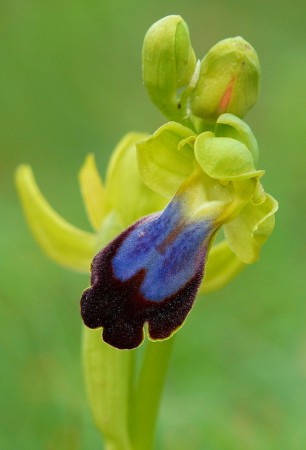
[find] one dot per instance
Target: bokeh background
(70, 83)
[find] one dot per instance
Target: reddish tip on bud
(228, 81)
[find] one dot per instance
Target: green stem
(148, 393)
(107, 376)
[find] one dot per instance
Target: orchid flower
(165, 198)
(152, 271)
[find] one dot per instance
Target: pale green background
(70, 83)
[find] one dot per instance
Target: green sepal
(231, 126)
(126, 192)
(93, 192)
(222, 266)
(224, 158)
(62, 242)
(166, 158)
(251, 228)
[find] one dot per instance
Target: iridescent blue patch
(167, 248)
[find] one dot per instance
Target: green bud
(168, 63)
(228, 81)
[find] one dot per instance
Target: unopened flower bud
(168, 63)
(228, 81)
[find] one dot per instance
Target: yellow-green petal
(93, 192)
(222, 266)
(229, 125)
(166, 158)
(248, 232)
(224, 158)
(126, 192)
(62, 242)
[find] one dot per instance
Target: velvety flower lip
(149, 274)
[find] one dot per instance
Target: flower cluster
(170, 193)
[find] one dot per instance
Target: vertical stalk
(107, 376)
(148, 393)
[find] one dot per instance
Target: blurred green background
(70, 83)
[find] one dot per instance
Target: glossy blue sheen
(170, 249)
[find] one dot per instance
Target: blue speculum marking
(169, 248)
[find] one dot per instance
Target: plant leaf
(108, 373)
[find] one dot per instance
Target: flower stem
(148, 393)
